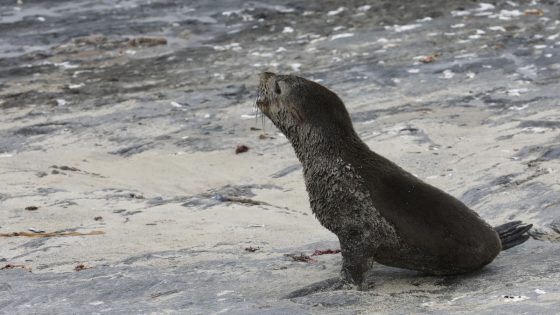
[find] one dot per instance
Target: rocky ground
(120, 119)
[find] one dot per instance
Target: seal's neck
(311, 146)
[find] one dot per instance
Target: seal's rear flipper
(332, 284)
(513, 233)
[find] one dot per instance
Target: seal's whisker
(256, 108)
(262, 122)
(258, 111)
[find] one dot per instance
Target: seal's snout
(262, 98)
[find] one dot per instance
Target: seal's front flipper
(332, 284)
(513, 233)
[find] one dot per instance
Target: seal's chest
(340, 200)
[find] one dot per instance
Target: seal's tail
(513, 233)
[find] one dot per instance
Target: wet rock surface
(240, 284)
(132, 111)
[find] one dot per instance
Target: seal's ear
(277, 89)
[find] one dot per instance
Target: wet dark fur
(378, 210)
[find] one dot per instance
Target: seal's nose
(266, 75)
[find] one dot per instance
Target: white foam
(448, 74)
(229, 13)
(539, 291)
(283, 9)
(522, 107)
(460, 13)
(232, 46)
(343, 35)
(404, 28)
(337, 11)
(426, 19)
(468, 55)
(75, 86)
(287, 29)
(485, 13)
(66, 65)
(517, 92)
(364, 8)
(260, 54)
(222, 293)
(485, 7)
(508, 14)
(295, 66)
(497, 28)
(535, 129)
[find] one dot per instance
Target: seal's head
(303, 110)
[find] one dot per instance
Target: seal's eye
(277, 88)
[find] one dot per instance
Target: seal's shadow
(406, 281)
(394, 281)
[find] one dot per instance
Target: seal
(378, 211)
